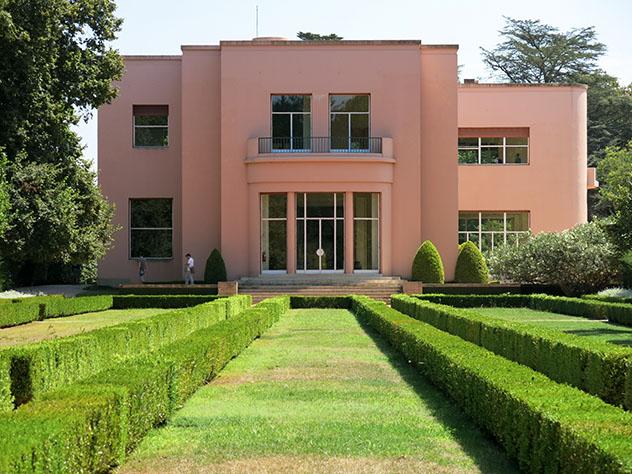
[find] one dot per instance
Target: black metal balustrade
(320, 145)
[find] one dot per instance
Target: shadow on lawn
(604, 332)
(465, 432)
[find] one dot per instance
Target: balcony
(319, 145)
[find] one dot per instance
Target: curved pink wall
(553, 185)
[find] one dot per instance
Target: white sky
(161, 26)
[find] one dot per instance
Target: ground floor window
(366, 231)
(320, 232)
(273, 232)
(489, 229)
(151, 228)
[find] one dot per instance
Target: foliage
(615, 193)
(626, 271)
(427, 264)
(307, 36)
(215, 268)
(470, 265)
(596, 367)
(580, 260)
(160, 301)
(93, 423)
(340, 302)
(511, 401)
(61, 65)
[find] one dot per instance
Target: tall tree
(533, 52)
(58, 65)
(307, 36)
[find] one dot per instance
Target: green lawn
(318, 394)
(69, 325)
(620, 335)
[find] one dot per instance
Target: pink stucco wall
(219, 102)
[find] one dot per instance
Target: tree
(427, 264)
(58, 66)
(307, 36)
(215, 270)
(615, 170)
(533, 52)
(470, 265)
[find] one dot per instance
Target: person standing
(142, 269)
(189, 269)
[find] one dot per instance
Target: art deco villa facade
(315, 157)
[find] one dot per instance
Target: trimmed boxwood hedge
(471, 266)
(340, 302)
(544, 425)
(38, 368)
(608, 299)
(427, 265)
(599, 368)
(160, 301)
(89, 426)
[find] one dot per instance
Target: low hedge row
(160, 301)
(91, 425)
(37, 308)
(599, 368)
(608, 299)
(38, 368)
(544, 425)
(301, 302)
(618, 313)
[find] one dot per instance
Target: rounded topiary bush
(215, 270)
(427, 265)
(470, 265)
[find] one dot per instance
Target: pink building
(314, 157)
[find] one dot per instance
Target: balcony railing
(320, 145)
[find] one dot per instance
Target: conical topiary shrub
(215, 268)
(470, 265)
(427, 265)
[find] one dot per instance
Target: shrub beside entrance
(427, 265)
(470, 265)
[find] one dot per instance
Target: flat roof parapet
(494, 85)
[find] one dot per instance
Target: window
(366, 232)
(291, 122)
(493, 150)
(489, 229)
(151, 126)
(151, 228)
(349, 122)
(273, 232)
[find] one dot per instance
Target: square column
(291, 232)
(349, 257)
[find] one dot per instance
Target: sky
(162, 26)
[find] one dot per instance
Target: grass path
(601, 330)
(67, 326)
(318, 394)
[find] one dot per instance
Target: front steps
(375, 286)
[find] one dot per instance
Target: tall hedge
(626, 269)
(427, 265)
(470, 265)
(215, 268)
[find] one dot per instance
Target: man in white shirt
(189, 269)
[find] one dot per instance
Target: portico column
(349, 257)
(291, 232)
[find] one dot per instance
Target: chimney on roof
(470, 81)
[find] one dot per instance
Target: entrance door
(320, 232)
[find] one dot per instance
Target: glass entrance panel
(320, 232)
(366, 231)
(273, 232)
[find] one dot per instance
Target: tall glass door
(320, 232)
(273, 233)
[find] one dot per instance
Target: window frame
(131, 229)
(273, 219)
(379, 231)
(134, 127)
(505, 233)
(503, 147)
(348, 114)
(291, 115)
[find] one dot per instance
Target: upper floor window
(349, 118)
(493, 150)
(490, 229)
(151, 126)
(291, 122)
(151, 228)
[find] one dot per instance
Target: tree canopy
(58, 65)
(307, 36)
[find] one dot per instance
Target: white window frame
(504, 148)
(291, 114)
(349, 136)
(379, 234)
(502, 233)
(131, 229)
(134, 127)
(272, 219)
